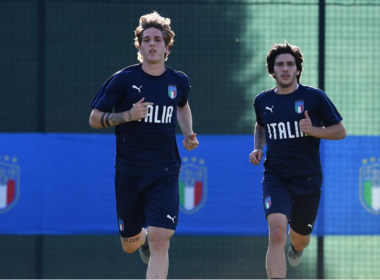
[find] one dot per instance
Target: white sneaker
(294, 258)
(144, 250)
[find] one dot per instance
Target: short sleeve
(186, 88)
(327, 111)
(109, 94)
(259, 119)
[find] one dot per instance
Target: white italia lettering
(156, 115)
(296, 129)
(274, 130)
(166, 117)
(289, 130)
(163, 114)
(282, 131)
(149, 115)
(270, 134)
(169, 113)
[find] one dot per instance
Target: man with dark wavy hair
(291, 119)
(144, 103)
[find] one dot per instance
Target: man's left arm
(185, 121)
(332, 132)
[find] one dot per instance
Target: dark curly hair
(156, 21)
(285, 48)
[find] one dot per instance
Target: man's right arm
(259, 137)
(257, 153)
(99, 119)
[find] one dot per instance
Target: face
(152, 46)
(285, 70)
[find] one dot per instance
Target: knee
(277, 235)
(128, 248)
(299, 245)
(159, 244)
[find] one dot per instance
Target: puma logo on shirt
(138, 88)
(270, 109)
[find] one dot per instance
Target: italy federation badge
(299, 107)
(369, 186)
(268, 202)
(9, 183)
(192, 185)
(172, 91)
(121, 225)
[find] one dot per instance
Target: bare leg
(275, 260)
(131, 244)
(298, 241)
(159, 243)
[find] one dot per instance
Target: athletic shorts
(146, 201)
(301, 210)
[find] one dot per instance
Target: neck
(153, 69)
(286, 89)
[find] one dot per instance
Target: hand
(255, 156)
(305, 125)
(191, 142)
(139, 111)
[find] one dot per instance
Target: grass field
(191, 257)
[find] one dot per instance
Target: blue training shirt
(291, 155)
(147, 147)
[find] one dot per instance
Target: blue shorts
(146, 201)
(301, 210)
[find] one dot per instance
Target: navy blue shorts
(146, 201)
(301, 210)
